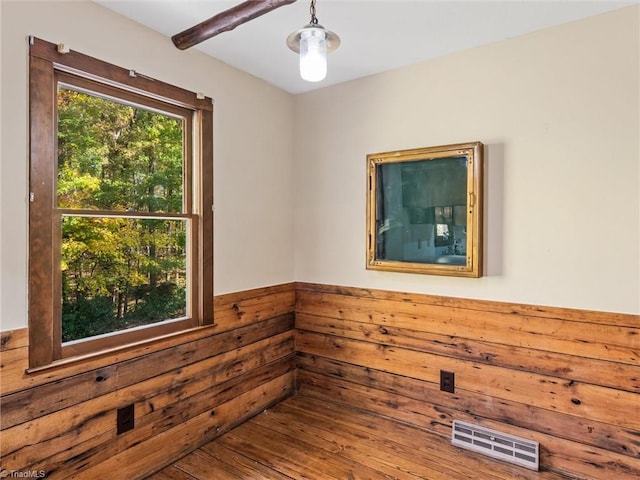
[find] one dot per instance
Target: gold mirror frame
(434, 199)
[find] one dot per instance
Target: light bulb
(313, 54)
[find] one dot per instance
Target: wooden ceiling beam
(225, 21)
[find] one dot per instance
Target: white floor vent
(496, 444)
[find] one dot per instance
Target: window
(120, 215)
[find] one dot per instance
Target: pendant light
(313, 42)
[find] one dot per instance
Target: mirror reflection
(422, 212)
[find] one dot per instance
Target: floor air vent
(495, 444)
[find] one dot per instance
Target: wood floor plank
(201, 466)
(309, 438)
(248, 467)
(308, 457)
(272, 453)
(172, 473)
(379, 453)
(428, 449)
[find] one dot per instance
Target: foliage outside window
(120, 218)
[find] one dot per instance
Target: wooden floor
(303, 438)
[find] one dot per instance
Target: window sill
(108, 356)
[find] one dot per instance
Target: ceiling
(377, 35)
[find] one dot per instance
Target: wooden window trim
(45, 63)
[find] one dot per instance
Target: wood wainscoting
(568, 379)
(186, 391)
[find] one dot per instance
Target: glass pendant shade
(313, 54)
(313, 42)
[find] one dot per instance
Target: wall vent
(496, 444)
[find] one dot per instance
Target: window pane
(120, 273)
(113, 156)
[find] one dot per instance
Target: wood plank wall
(569, 379)
(186, 391)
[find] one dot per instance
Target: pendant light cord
(312, 10)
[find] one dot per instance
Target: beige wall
(253, 124)
(558, 111)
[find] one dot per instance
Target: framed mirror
(424, 210)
